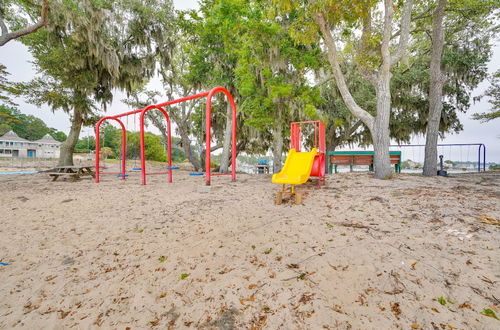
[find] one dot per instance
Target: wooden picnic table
(74, 172)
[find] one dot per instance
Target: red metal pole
(143, 156)
(208, 124)
(233, 146)
(169, 148)
(208, 121)
(98, 146)
(169, 141)
(183, 99)
(97, 149)
(124, 148)
(316, 137)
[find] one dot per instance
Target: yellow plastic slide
(297, 167)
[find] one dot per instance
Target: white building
(11, 145)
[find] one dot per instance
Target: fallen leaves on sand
(465, 305)
(396, 310)
(267, 251)
(251, 286)
(302, 276)
(293, 266)
(485, 218)
(259, 322)
(50, 278)
(243, 300)
(30, 307)
(338, 309)
(361, 300)
(63, 314)
(253, 247)
(162, 259)
(415, 326)
(490, 313)
(487, 280)
(266, 309)
(441, 300)
(414, 264)
(306, 297)
(394, 292)
(183, 276)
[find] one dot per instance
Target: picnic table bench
(74, 172)
(352, 158)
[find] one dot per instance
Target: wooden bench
(395, 157)
(352, 158)
(74, 172)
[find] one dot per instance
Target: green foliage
(441, 300)
(27, 127)
(89, 48)
(6, 87)
(86, 144)
(493, 94)
(154, 150)
(465, 56)
(490, 313)
(58, 135)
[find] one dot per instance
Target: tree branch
(404, 31)
(386, 36)
(339, 76)
(8, 36)
(364, 48)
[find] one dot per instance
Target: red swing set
(208, 125)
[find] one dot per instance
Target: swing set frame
(208, 136)
(481, 151)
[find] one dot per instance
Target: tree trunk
(435, 92)
(380, 131)
(226, 146)
(68, 146)
(186, 146)
(277, 147)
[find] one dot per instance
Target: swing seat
(136, 169)
(196, 174)
(172, 168)
(122, 176)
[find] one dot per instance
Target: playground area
(410, 252)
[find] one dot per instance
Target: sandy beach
(360, 253)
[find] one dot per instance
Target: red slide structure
(319, 142)
(208, 136)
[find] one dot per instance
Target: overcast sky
(16, 58)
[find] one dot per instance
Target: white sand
(360, 253)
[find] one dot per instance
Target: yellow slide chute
(297, 167)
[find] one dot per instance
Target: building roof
(47, 139)
(11, 136)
